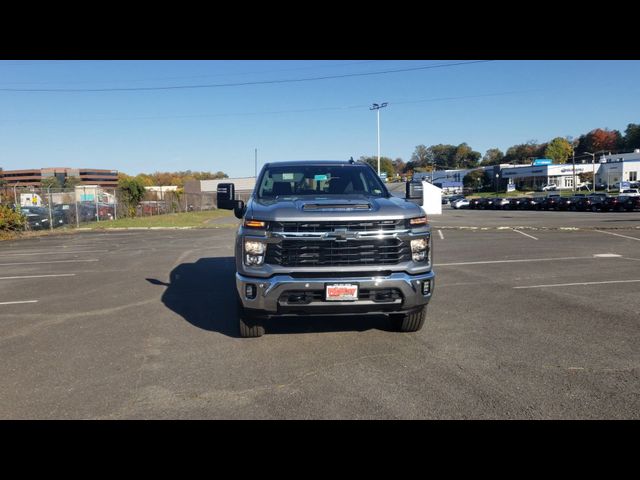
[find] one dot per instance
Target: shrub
(10, 220)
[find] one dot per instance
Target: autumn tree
(599, 139)
(50, 183)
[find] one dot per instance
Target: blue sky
(492, 104)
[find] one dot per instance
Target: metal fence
(55, 207)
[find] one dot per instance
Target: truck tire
(250, 325)
(410, 322)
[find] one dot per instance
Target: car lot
(530, 319)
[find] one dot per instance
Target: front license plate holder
(341, 292)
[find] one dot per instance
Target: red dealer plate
(341, 292)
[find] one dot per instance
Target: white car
(460, 203)
(546, 188)
(630, 192)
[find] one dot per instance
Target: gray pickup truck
(327, 238)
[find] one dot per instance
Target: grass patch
(187, 219)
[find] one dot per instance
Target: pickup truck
(327, 238)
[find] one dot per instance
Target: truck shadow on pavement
(203, 293)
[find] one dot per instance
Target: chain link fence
(55, 207)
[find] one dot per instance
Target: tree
(599, 139)
(71, 182)
(559, 150)
(386, 165)
(50, 182)
(631, 137)
(132, 191)
(524, 152)
(476, 179)
(493, 156)
(465, 157)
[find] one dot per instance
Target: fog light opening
(250, 291)
(426, 287)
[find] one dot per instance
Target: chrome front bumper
(269, 291)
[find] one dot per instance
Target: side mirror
(226, 196)
(413, 192)
(239, 209)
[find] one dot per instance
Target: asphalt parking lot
(529, 320)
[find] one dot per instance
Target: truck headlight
(419, 249)
(254, 252)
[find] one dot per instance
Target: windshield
(300, 180)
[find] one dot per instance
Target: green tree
(559, 150)
(493, 156)
(465, 157)
(50, 183)
(476, 179)
(71, 182)
(386, 165)
(132, 191)
(632, 137)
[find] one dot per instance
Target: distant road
(396, 189)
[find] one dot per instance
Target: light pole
(593, 165)
(377, 108)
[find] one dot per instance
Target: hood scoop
(335, 207)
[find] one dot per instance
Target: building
(34, 177)
(533, 177)
(621, 167)
(242, 185)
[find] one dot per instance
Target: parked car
(630, 204)
(550, 203)
(460, 203)
(631, 192)
(529, 203)
(611, 204)
(500, 203)
(591, 202)
(514, 203)
(549, 187)
(474, 203)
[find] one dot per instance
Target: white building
(535, 176)
(622, 167)
(244, 184)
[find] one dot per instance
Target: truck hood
(331, 208)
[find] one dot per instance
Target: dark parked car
(591, 202)
(550, 203)
(474, 203)
(514, 203)
(529, 203)
(631, 204)
(500, 203)
(611, 204)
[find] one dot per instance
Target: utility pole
(573, 153)
(377, 108)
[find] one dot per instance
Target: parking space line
(512, 261)
(57, 252)
(441, 235)
(22, 301)
(45, 263)
(618, 235)
(525, 234)
(581, 283)
(39, 276)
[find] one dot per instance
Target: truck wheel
(410, 322)
(250, 325)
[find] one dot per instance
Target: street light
(377, 108)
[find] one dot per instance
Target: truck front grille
(294, 253)
(364, 226)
